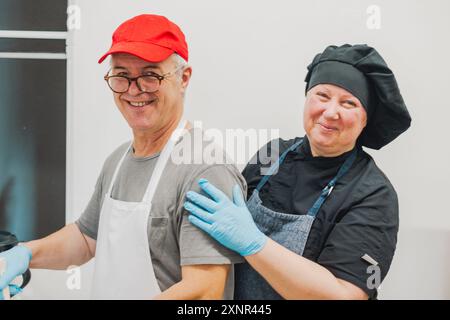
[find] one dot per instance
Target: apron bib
(289, 230)
(123, 262)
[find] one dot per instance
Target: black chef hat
(362, 71)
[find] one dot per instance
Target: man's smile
(139, 104)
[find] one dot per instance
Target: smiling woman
(313, 229)
(333, 119)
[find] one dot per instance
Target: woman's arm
(291, 275)
(295, 277)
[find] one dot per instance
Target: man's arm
(205, 281)
(61, 249)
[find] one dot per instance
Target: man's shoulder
(196, 154)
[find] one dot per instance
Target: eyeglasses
(146, 83)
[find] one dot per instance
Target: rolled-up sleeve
(365, 236)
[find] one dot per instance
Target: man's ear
(185, 78)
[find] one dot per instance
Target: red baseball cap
(150, 37)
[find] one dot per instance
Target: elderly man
(135, 224)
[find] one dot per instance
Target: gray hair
(180, 63)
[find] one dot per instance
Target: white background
(249, 61)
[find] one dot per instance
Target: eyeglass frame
(159, 77)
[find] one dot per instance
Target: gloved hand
(13, 290)
(229, 222)
(17, 261)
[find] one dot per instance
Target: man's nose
(134, 89)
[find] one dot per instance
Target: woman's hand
(229, 222)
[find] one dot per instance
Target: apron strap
(162, 161)
(330, 186)
(117, 169)
(277, 164)
(325, 191)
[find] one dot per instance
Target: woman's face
(333, 120)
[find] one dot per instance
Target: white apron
(123, 264)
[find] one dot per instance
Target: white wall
(249, 60)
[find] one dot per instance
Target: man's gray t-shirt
(173, 240)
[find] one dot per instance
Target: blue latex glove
(229, 222)
(17, 261)
(13, 290)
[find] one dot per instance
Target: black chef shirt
(360, 217)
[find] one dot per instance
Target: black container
(7, 241)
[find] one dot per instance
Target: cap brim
(146, 51)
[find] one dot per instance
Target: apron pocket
(158, 233)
